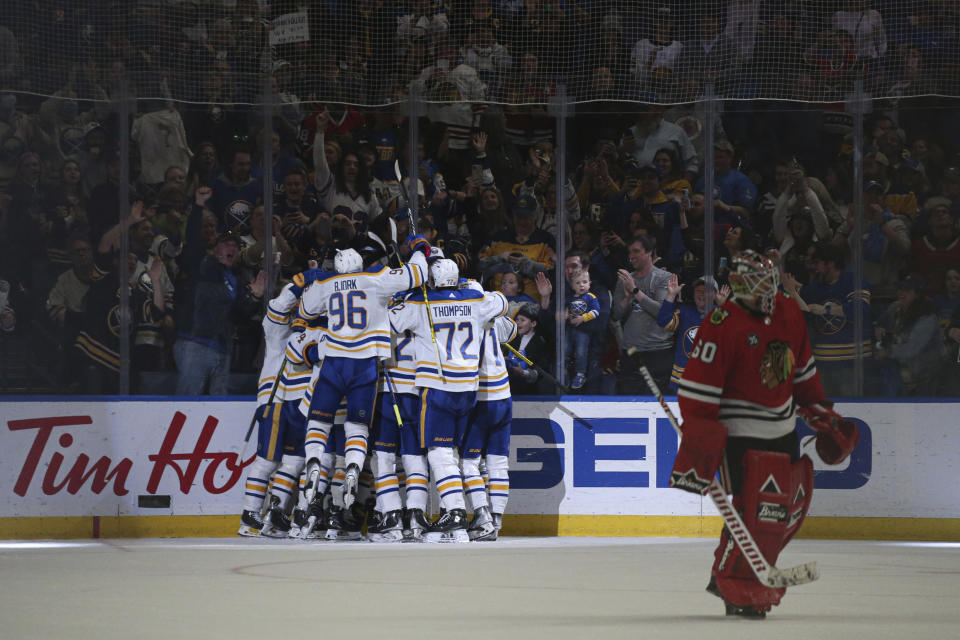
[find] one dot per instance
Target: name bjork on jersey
(452, 311)
(345, 285)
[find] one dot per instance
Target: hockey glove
(836, 437)
(419, 243)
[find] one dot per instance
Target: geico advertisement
(68, 458)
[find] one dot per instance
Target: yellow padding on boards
(82, 527)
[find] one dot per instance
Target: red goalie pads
(775, 499)
(701, 448)
(836, 437)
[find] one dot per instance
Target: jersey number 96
(349, 311)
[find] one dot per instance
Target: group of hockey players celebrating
(380, 377)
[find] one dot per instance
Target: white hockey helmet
(754, 280)
(444, 273)
(347, 261)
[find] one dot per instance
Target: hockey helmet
(754, 280)
(444, 273)
(436, 253)
(347, 261)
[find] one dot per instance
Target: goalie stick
(766, 573)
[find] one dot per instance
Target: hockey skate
(481, 527)
(451, 527)
(351, 480)
(498, 522)
(387, 527)
(277, 523)
(250, 524)
(416, 525)
(752, 613)
(315, 518)
(342, 525)
(298, 522)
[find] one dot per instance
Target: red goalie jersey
(749, 372)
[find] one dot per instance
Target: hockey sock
(315, 442)
(256, 486)
(386, 483)
(286, 480)
(499, 484)
(475, 492)
(446, 473)
(336, 485)
(365, 489)
(355, 449)
(401, 481)
(417, 482)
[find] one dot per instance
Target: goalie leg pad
(765, 502)
(801, 493)
(698, 457)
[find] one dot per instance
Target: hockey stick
(546, 374)
(423, 284)
(393, 397)
(766, 573)
(253, 420)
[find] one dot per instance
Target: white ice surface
(593, 588)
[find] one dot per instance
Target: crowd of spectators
(633, 201)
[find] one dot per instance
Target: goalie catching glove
(836, 437)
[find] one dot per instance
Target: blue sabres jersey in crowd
(832, 334)
(685, 320)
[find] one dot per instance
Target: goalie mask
(754, 280)
(347, 261)
(444, 273)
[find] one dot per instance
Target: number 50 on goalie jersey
(460, 317)
(356, 308)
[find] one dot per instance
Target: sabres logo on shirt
(777, 364)
(718, 315)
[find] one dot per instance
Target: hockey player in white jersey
(449, 387)
(395, 434)
(356, 338)
(488, 435)
(281, 426)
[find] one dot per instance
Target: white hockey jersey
(494, 380)
(459, 319)
(356, 307)
(295, 377)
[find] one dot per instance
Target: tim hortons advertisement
(181, 457)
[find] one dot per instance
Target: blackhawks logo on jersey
(718, 315)
(776, 366)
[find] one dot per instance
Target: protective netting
(205, 116)
(367, 52)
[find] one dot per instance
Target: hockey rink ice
(593, 588)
